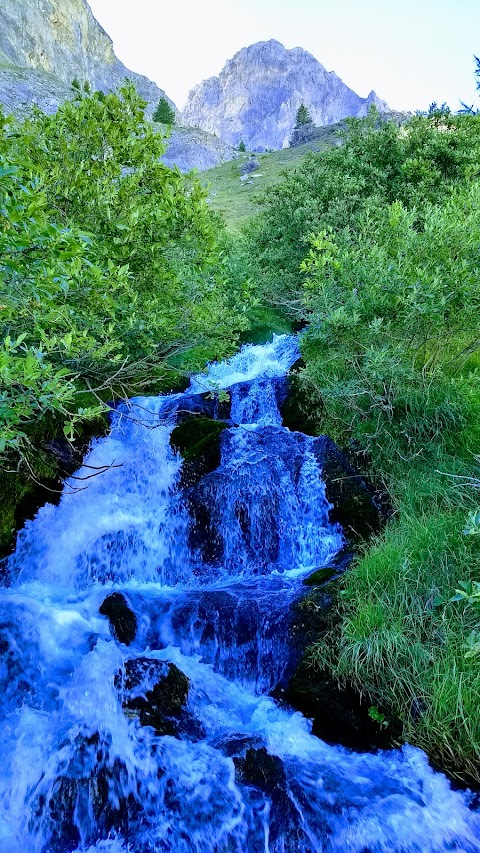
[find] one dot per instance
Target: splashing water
(211, 571)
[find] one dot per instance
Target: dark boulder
(157, 692)
(354, 502)
(252, 165)
(123, 622)
(260, 769)
(296, 409)
(87, 800)
(209, 405)
(253, 532)
(339, 715)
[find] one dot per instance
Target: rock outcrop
(191, 148)
(45, 44)
(257, 94)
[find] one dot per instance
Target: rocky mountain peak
(256, 96)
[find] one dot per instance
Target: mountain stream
(210, 571)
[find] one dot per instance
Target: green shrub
(379, 163)
(393, 319)
(109, 263)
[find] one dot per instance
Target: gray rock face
(45, 44)
(256, 96)
(190, 148)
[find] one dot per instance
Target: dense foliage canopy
(378, 163)
(109, 263)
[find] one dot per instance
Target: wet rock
(258, 543)
(253, 531)
(249, 402)
(235, 746)
(156, 691)
(123, 622)
(225, 629)
(208, 405)
(336, 567)
(354, 503)
(260, 769)
(339, 716)
(204, 537)
(297, 408)
(198, 441)
(265, 773)
(87, 800)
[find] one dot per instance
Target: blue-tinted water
(211, 572)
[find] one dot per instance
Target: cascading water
(210, 571)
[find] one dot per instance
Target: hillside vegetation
(112, 273)
(236, 200)
(374, 245)
(117, 275)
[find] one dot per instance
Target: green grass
(400, 640)
(235, 199)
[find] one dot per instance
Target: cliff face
(256, 96)
(45, 44)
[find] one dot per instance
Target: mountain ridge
(255, 97)
(45, 45)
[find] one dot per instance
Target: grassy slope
(394, 642)
(235, 199)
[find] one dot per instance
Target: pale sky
(412, 52)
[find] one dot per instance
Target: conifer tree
(302, 117)
(164, 112)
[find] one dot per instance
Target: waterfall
(210, 571)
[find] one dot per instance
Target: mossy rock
(339, 564)
(339, 715)
(297, 408)
(320, 576)
(22, 494)
(197, 439)
(354, 502)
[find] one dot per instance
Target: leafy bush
(394, 327)
(392, 368)
(378, 163)
(109, 261)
